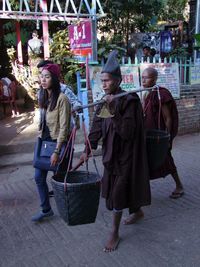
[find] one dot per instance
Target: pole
(94, 31)
(197, 25)
(19, 43)
(45, 29)
(102, 101)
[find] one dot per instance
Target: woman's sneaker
(38, 217)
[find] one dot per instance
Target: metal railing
(51, 10)
(184, 65)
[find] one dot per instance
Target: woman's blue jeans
(43, 190)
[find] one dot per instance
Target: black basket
(79, 204)
(157, 147)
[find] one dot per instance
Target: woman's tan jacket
(58, 120)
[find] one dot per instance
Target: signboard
(195, 74)
(165, 41)
(130, 80)
(80, 37)
(168, 76)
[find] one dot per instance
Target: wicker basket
(157, 147)
(79, 204)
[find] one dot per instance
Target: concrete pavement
(167, 236)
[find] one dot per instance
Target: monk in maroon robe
(167, 121)
(125, 182)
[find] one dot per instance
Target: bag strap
(31, 48)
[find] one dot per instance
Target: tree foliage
(128, 16)
(62, 55)
(173, 10)
(124, 17)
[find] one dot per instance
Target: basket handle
(65, 151)
(87, 141)
(72, 139)
(77, 166)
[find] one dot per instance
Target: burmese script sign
(80, 37)
(130, 80)
(168, 76)
(195, 74)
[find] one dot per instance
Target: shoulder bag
(42, 154)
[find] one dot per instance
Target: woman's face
(45, 79)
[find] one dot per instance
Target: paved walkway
(167, 236)
(18, 135)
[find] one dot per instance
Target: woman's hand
(54, 159)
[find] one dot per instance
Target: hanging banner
(165, 41)
(130, 80)
(168, 76)
(80, 37)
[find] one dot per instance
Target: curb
(16, 149)
(12, 159)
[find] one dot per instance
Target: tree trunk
(127, 29)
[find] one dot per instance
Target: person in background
(34, 45)
(35, 50)
(153, 52)
(56, 114)
(8, 93)
(125, 182)
(168, 122)
(147, 56)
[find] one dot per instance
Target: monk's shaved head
(149, 77)
(151, 72)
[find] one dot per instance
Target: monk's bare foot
(112, 243)
(133, 218)
(178, 192)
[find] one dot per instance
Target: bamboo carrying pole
(102, 101)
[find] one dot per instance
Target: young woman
(55, 125)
